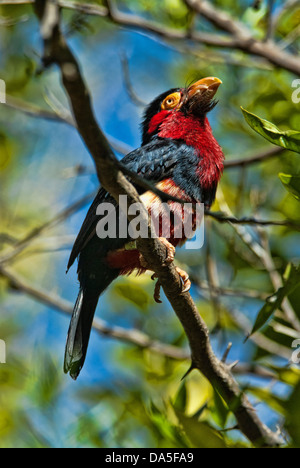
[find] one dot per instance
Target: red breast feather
(198, 134)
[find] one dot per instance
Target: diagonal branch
(238, 37)
(56, 51)
(264, 155)
(243, 39)
(132, 336)
(56, 115)
(20, 245)
(225, 218)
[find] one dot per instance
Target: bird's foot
(185, 280)
(170, 250)
(157, 287)
(186, 283)
(169, 257)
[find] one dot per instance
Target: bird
(180, 156)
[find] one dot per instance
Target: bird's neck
(198, 134)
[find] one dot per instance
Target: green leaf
(201, 434)
(221, 409)
(291, 281)
(289, 139)
(134, 294)
(171, 434)
(47, 384)
(180, 401)
(6, 151)
(291, 183)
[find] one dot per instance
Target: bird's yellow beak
(207, 85)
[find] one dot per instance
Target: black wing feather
(155, 161)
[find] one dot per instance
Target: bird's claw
(184, 277)
(170, 250)
(157, 291)
(185, 287)
(186, 282)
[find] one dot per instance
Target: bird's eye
(171, 101)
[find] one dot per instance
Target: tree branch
(238, 35)
(20, 245)
(243, 38)
(131, 336)
(262, 156)
(56, 115)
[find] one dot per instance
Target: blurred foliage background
(129, 395)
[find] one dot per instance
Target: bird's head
(192, 103)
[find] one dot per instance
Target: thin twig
(35, 111)
(262, 156)
(270, 23)
(128, 85)
(225, 218)
(20, 245)
(225, 291)
(226, 353)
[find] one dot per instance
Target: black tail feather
(79, 332)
